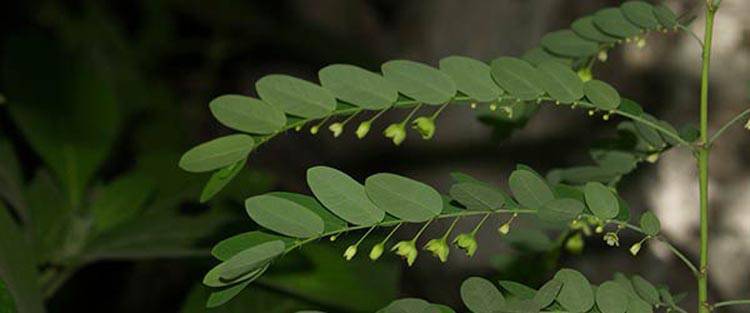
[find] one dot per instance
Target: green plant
(572, 200)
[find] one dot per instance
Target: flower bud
(493, 107)
(439, 248)
(504, 229)
(635, 248)
(652, 158)
(376, 251)
(602, 56)
(336, 129)
(467, 243)
(350, 252)
(473, 105)
(363, 129)
(314, 129)
(396, 132)
(585, 74)
(747, 125)
(575, 244)
(641, 43)
(407, 250)
(599, 229)
(425, 126)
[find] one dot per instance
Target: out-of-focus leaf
(576, 294)
(640, 13)
(613, 22)
(406, 305)
(7, 305)
(17, 266)
(121, 200)
(70, 117)
(220, 179)
(11, 184)
(601, 94)
(650, 223)
(251, 299)
(645, 290)
(51, 217)
(666, 17)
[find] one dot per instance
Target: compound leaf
(217, 153)
(358, 86)
(420, 81)
(284, 216)
(404, 198)
(247, 114)
(220, 179)
(296, 96)
(343, 195)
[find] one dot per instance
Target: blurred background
(98, 99)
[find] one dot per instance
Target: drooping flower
(376, 251)
(425, 126)
(336, 129)
(585, 74)
(612, 239)
(439, 248)
(575, 244)
(350, 252)
(467, 243)
(635, 248)
(397, 132)
(407, 250)
(363, 129)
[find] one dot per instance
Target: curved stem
(731, 302)
(726, 126)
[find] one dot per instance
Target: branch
(726, 126)
(731, 302)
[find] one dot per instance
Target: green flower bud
(467, 243)
(314, 129)
(439, 248)
(575, 244)
(425, 126)
(585, 74)
(602, 56)
(336, 129)
(504, 229)
(396, 132)
(635, 248)
(747, 125)
(377, 251)
(407, 250)
(599, 229)
(652, 158)
(641, 43)
(612, 239)
(350, 252)
(363, 129)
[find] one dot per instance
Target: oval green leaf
(296, 96)
(560, 82)
(420, 81)
(529, 189)
(613, 22)
(476, 196)
(640, 13)
(665, 16)
(537, 55)
(585, 28)
(517, 289)
(645, 290)
(567, 43)
(560, 211)
(284, 216)
(576, 294)
(481, 296)
(251, 259)
(611, 298)
(472, 77)
(247, 114)
(602, 95)
(637, 305)
(650, 224)
(231, 246)
(331, 222)
(517, 77)
(601, 201)
(343, 195)
(547, 293)
(407, 305)
(358, 86)
(404, 198)
(217, 153)
(220, 179)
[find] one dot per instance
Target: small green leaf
(358, 86)
(666, 17)
(343, 195)
(576, 294)
(284, 216)
(438, 308)
(640, 13)
(585, 28)
(330, 221)
(650, 224)
(517, 290)
(645, 290)
(229, 247)
(625, 283)
(560, 211)
(601, 94)
(530, 190)
(650, 134)
(420, 81)
(217, 153)
(567, 43)
(247, 114)
(481, 296)
(537, 55)
(475, 196)
(220, 179)
(251, 259)
(560, 82)
(630, 107)
(547, 293)
(517, 77)
(637, 305)
(613, 22)
(296, 96)
(611, 298)
(601, 200)
(407, 305)
(214, 277)
(121, 200)
(404, 198)
(472, 77)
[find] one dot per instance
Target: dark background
(166, 59)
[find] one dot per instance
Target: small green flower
(350, 252)
(377, 251)
(652, 158)
(467, 243)
(439, 248)
(314, 130)
(504, 229)
(397, 132)
(602, 56)
(747, 125)
(575, 244)
(407, 250)
(585, 74)
(635, 248)
(363, 129)
(336, 129)
(425, 126)
(612, 239)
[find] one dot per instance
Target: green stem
(726, 126)
(484, 219)
(732, 302)
(703, 155)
